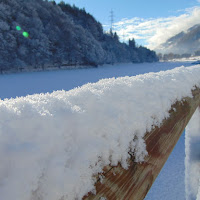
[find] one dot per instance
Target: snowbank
(192, 160)
(53, 145)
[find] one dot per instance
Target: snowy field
(13, 85)
(170, 183)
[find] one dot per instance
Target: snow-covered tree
(58, 35)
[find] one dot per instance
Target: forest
(37, 34)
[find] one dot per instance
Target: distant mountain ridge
(59, 35)
(183, 42)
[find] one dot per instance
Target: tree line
(59, 35)
(171, 56)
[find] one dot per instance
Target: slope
(58, 35)
(184, 42)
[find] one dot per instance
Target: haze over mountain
(37, 34)
(187, 42)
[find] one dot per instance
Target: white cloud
(155, 31)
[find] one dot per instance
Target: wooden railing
(134, 183)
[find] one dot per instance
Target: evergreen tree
(58, 35)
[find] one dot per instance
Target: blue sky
(144, 20)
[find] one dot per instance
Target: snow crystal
(53, 145)
(192, 160)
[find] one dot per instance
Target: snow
(189, 60)
(23, 84)
(43, 133)
(192, 160)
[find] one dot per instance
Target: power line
(123, 33)
(111, 20)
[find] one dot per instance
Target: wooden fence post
(134, 183)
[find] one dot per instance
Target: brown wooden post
(134, 183)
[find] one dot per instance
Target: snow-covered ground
(189, 60)
(170, 183)
(13, 85)
(192, 161)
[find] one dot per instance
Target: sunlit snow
(52, 144)
(192, 160)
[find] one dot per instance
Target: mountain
(187, 42)
(37, 34)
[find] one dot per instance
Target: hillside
(183, 43)
(50, 35)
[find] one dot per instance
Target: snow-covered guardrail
(135, 182)
(66, 145)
